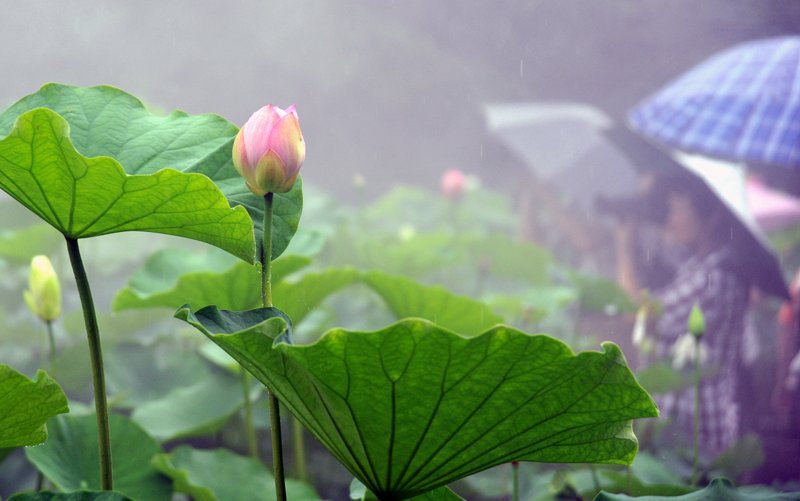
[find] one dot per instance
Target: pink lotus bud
(452, 183)
(269, 150)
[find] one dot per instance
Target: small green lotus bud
(44, 296)
(697, 322)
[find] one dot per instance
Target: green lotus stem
(96, 356)
(595, 478)
(266, 253)
(52, 340)
(515, 481)
(266, 299)
(250, 430)
(299, 451)
(696, 417)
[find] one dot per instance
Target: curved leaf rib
(439, 406)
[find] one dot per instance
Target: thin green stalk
(696, 417)
(52, 341)
(299, 451)
(96, 356)
(515, 487)
(250, 430)
(266, 253)
(266, 299)
(595, 478)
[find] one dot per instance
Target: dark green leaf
(719, 489)
(26, 406)
(69, 459)
(221, 475)
(413, 407)
(70, 496)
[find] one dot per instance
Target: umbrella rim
(767, 275)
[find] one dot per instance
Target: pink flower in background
(269, 150)
(452, 183)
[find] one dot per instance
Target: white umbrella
(565, 144)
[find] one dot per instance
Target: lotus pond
(382, 348)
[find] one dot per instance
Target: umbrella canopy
(728, 182)
(742, 104)
(564, 143)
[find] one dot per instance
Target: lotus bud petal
(44, 294)
(269, 150)
(697, 322)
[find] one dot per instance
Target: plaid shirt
(711, 282)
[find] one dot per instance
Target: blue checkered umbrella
(742, 104)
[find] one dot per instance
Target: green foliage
(406, 298)
(414, 407)
(137, 374)
(238, 288)
(21, 245)
(27, 405)
(104, 121)
(70, 496)
(597, 294)
(171, 278)
(719, 489)
(185, 411)
(661, 378)
(221, 475)
(69, 459)
(84, 197)
(359, 492)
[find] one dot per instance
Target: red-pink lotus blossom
(269, 150)
(452, 183)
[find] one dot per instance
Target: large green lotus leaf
(69, 459)
(21, 245)
(407, 298)
(161, 283)
(413, 407)
(106, 121)
(298, 299)
(70, 496)
(84, 197)
(164, 268)
(221, 475)
(720, 489)
(26, 405)
(238, 288)
(186, 411)
(359, 492)
(136, 374)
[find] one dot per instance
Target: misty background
(392, 90)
